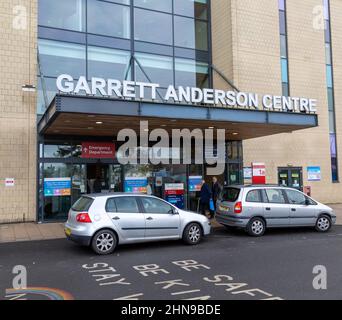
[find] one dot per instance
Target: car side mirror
(173, 211)
(307, 202)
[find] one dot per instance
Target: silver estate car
(255, 208)
(105, 220)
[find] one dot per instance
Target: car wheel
(104, 242)
(323, 224)
(192, 234)
(256, 227)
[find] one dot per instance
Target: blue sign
(174, 194)
(136, 185)
(195, 183)
(57, 187)
(314, 174)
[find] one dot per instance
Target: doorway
(109, 178)
(291, 177)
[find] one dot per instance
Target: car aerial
(103, 221)
(256, 208)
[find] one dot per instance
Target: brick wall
(254, 45)
(18, 41)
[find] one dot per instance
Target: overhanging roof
(77, 116)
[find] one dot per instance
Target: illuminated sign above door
(98, 150)
(133, 90)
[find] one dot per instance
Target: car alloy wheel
(323, 224)
(256, 227)
(192, 234)
(104, 242)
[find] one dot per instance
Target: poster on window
(136, 185)
(195, 183)
(57, 187)
(174, 194)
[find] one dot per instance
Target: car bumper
(232, 221)
(81, 240)
(76, 236)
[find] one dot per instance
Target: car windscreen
(82, 204)
(230, 194)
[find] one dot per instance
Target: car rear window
(82, 204)
(230, 194)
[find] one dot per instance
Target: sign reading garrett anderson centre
(139, 90)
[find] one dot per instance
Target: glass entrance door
(62, 185)
(291, 177)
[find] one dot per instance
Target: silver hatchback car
(105, 220)
(255, 208)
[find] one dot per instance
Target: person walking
(205, 196)
(217, 188)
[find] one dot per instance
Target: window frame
(140, 200)
(266, 199)
(124, 196)
(259, 193)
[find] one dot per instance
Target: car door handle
(268, 209)
(116, 218)
(149, 218)
(293, 210)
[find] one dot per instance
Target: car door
(162, 220)
(301, 214)
(276, 210)
(127, 217)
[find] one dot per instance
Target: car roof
(114, 194)
(257, 186)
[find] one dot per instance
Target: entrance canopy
(93, 116)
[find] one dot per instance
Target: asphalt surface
(225, 266)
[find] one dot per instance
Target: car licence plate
(67, 231)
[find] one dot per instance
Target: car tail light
(238, 208)
(83, 218)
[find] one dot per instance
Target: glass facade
(168, 38)
(284, 48)
(61, 159)
(330, 92)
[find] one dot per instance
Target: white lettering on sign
(139, 90)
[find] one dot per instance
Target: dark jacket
(97, 186)
(205, 194)
(216, 190)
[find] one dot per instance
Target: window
(107, 63)
(126, 205)
(230, 194)
(275, 196)
(57, 58)
(111, 205)
(296, 197)
(192, 8)
(253, 196)
(64, 14)
(153, 26)
(152, 205)
(108, 19)
(159, 5)
(191, 73)
(83, 204)
(158, 69)
(190, 33)
(57, 151)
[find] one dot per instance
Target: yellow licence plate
(67, 231)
